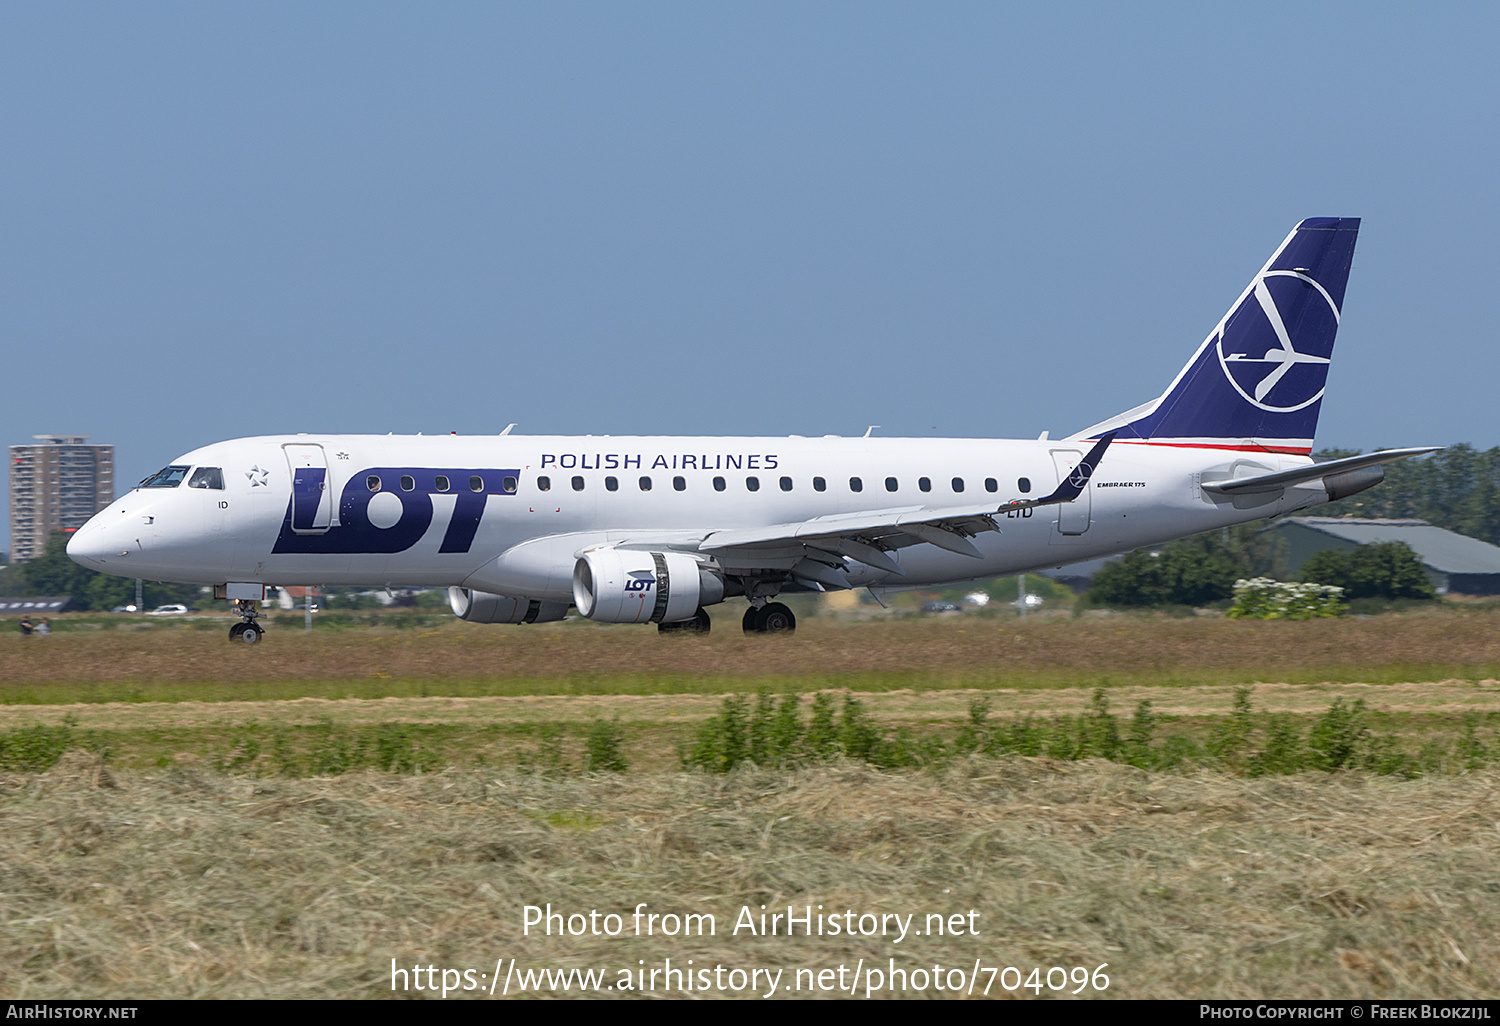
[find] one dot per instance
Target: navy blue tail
(1257, 380)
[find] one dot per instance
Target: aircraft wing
(1314, 472)
(805, 547)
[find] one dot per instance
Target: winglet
(1072, 487)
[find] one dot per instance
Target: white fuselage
(470, 511)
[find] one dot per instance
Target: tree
(53, 573)
(1388, 570)
(1177, 575)
(1457, 489)
(1254, 549)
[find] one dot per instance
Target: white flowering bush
(1261, 598)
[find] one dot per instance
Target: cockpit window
(167, 477)
(207, 477)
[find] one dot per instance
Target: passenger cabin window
(719, 484)
(679, 483)
(752, 483)
(167, 477)
(1024, 484)
(407, 482)
(611, 484)
(924, 483)
(819, 485)
(786, 484)
(207, 477)
(991, 485)
(578, 484)
(476, 484)
(958, 484)
(891, 484)
(645, 484)
(544, 484)
(441, 482)
(508, 485)
(373, 482)
(856, 485)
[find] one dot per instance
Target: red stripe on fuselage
(1288, 450)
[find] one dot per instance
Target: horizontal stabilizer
(1315, 472)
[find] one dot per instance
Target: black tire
(749, 621)
(251, 634)
(236, 631)
(775, 618)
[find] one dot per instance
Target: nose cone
(90, 546)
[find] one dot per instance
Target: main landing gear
(699, 624)
(247, 630)
(771, 618)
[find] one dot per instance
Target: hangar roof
(1437, 548)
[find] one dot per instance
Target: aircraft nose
(90, 546)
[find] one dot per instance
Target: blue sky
(973, 219)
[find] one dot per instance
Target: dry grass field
(187, 884)
(173, 661)
(153, 874)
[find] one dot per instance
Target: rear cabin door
(312, 499)
(1072, 517)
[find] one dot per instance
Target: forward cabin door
(312, 499)
(1072, 517)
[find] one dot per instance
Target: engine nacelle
(1341, 486)
(625, 586)
(482, 607)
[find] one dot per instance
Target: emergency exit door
(1072, 517)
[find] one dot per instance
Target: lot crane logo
(1255, 342)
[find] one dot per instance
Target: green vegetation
(788, 731)
(1241, 743)
(602, 752)
(1261, 598)
(1208, 568)
(36, 748)
(1173, 576)
(1458, 489)
(1196, 571)
(1389, 570)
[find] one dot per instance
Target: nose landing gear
(247, 630)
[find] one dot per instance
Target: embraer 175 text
(654, 530)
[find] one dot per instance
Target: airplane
(521, 529)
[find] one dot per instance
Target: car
(941, 607)
(174, 609)
(124, 609)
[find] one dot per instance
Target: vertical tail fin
(1257, 381)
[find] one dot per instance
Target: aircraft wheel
(236, 631)
(251, 634)
(749, 621)
(775, 618)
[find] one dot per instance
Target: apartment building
(56, 484)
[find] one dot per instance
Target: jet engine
(1352, 482)
(625, 586)
(482, 607)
